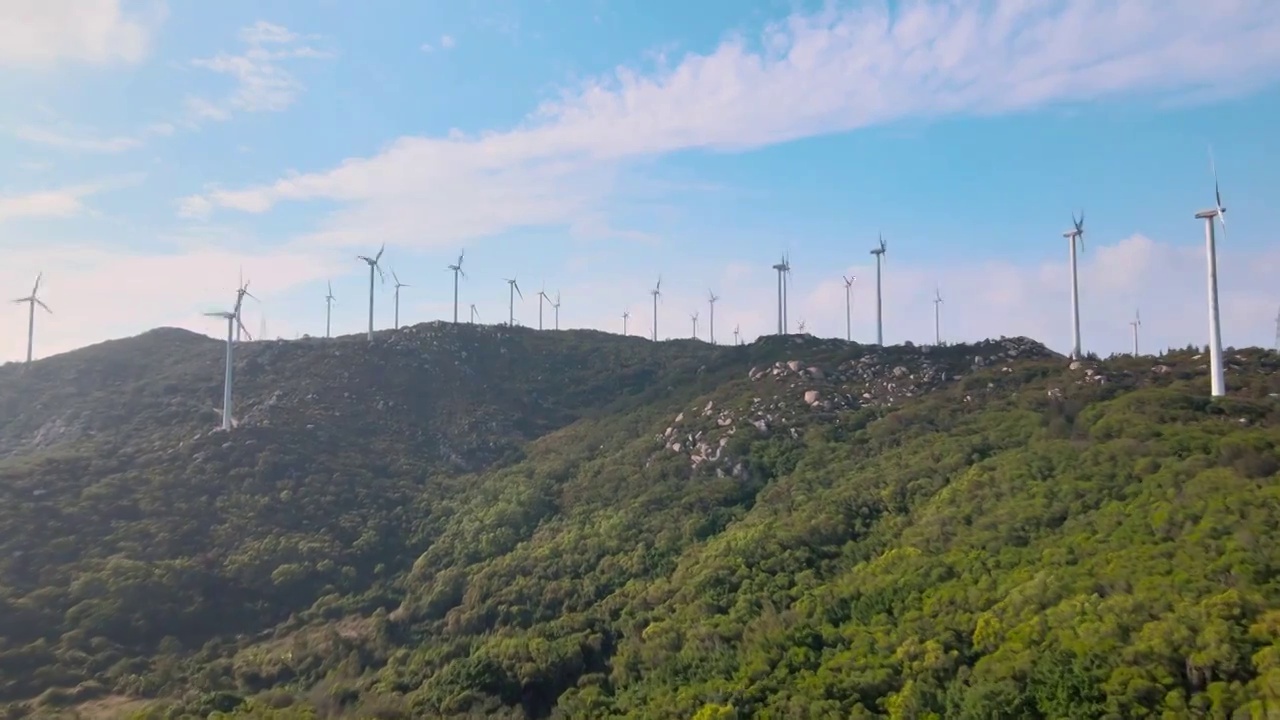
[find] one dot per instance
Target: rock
(1075, 365)
(811, 397)
(794, 365)
(816, 373)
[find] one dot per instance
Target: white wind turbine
(234, 325)
(656, 292)
(373, 268)
(457, 271)
(542, 297)
(475, 314)
(737, 335)
(781, 268)
(556, 307)
(242, 292)
(626, 315)
(32, 301)
(1075, 233)
(329, 300)
(396, 280)
(1135, 324)
(513, 288)
(694, 318)
(712, 297)
(800, 326)
(1218, 380)
(848, 306)
(879, 253)
(937, 316)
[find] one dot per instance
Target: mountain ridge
(542, 530)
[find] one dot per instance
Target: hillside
(476, 521)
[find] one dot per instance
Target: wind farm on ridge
(1213, 218)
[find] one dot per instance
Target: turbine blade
(41, 304)
(381, 250)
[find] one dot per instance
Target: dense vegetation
(480, 522)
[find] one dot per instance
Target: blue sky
(158, 148)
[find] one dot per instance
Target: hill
(475, 521)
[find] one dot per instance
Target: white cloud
(446, 42)
(41, 33)
(264, 82)
(836, 70)
(61, 202)
(80, 140)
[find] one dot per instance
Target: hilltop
(457, 521)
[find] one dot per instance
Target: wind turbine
(1135, 324)
(1076, 233)
(736, 334)
(373, 268)
(937, 316)
(542, 296)
(32, 300)
(1218, 381)
(656, 292)
(626, 315)
(398, 285)
(879, 253)
(475, 314)
(329, 300)
(457, 270)
(781, 267)
(233, 323)
(514, 287)
(242, 292)
(712, 297)
(556, 306)
(848, 306)
(800, 326)
(694, 318)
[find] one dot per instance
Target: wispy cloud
(836, 70)
(60, 202)
(446, 42)
(83, 141)
(264, 82)
(43, 33)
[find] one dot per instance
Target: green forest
(483, 522)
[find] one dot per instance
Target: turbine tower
(656, 292)
(475, 314)
(626, 315)
(937, 316)
(398, 285)
(786, 283)
(879, 253)
(711, 300)
(513, 287)
(556, 306)
(781, 268)
(800, 327)
(457, 270)
(848, 306)
(32, 301)
(736, 335)
(694, 318)
(1077, 232)
(1218, 381)
(329, 300)
(1135, 324)
(373, 268)
(542, 297)
(233, 324)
